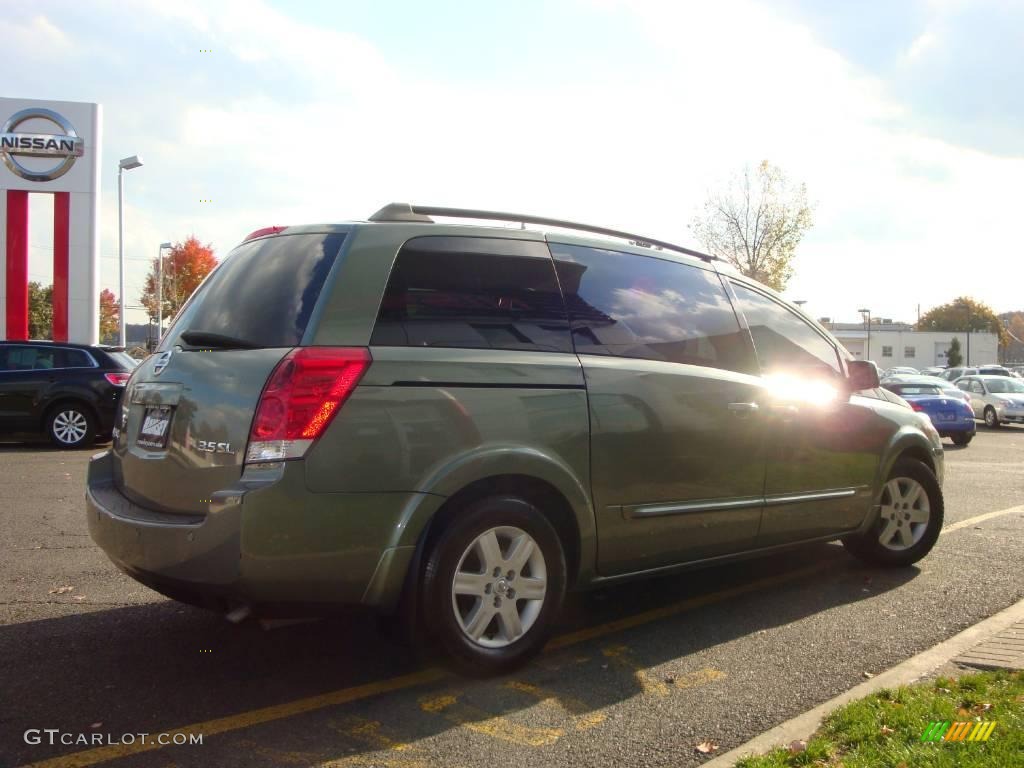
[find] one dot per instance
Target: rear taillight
(916, 406)
(302, 395)
(117, 379)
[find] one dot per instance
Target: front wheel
(493, 584)
(909, 521)
(991, 419)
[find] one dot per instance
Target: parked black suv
(69, 392)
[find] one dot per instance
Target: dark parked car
(69, 392)
(465, 422)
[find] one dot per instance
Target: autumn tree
(185, 266)
(755, 222)
(964, 314)
(953, 356)
(110, 312)
(40, 311)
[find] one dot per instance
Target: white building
(893, 344)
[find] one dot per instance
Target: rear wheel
(991, 419)
(493, 584)
(962, 439)
(70, 425)
(909, 521)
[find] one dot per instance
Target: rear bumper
(267, 542)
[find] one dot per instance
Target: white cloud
(899, 214)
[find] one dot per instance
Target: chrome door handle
(742, 409)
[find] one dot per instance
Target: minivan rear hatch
(188, 409)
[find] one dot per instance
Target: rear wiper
(209, 339)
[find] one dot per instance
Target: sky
(904, 120)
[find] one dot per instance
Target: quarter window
(76, 358)
(784, 341)
(473, 292)
(629, 305)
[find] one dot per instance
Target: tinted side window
(264, 291)
(32, 359)
(628, 305)
(784, 341)
(75, 358)
(475, 293)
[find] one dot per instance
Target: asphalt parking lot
(638, 674)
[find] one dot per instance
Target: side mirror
(863, 375)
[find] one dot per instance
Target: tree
(953, 356)
(110, 312)
(756, 223)
(185, 266)
(40, 311)
(964, 314)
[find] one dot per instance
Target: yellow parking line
(981, 518)
(97, 755)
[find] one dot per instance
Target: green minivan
(463, 422)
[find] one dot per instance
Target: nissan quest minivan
(465, 422)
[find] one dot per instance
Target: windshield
(262, 294)
(1004, 386)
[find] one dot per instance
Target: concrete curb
(911, 670)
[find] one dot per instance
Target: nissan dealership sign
(52, 148)
(63, 144)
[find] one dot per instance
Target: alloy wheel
(905, 513)
(69, 426)
(499, 587)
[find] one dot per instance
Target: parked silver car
(996, 399)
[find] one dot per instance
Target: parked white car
(996, 399)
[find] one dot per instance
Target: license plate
(156, 423)
(947, 416)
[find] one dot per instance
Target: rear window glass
(123, 359)
(473, 293)
(263, 292)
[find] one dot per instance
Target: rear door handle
(742, 409)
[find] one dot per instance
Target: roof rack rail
(422, 213)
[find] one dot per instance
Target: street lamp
(867, 354)
(968, 308)
(160, 290)
(126, 164)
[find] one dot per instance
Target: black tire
(444, 557)
(71, 425)
(867, 546)
(963, 440)
(991, 417)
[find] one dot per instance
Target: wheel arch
(546, 481)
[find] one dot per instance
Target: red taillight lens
(301, 397)
(117, 379)
(916, 406)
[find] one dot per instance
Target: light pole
(160, 290)
(968, 308)
(126, 164)
(867, 354)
